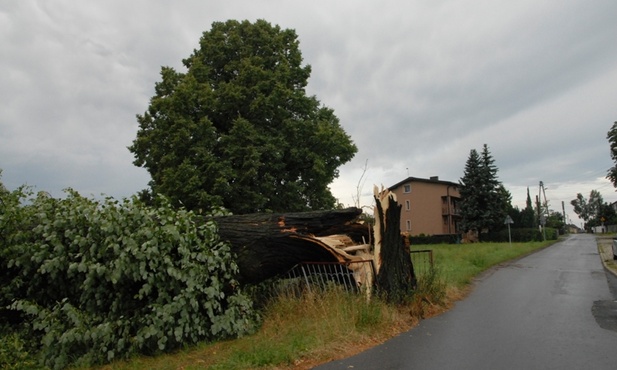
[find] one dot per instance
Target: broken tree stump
(395, 273)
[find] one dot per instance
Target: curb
(600, 250)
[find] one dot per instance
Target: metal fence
(351, 277)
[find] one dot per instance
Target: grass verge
(605, 248)
(459, 263)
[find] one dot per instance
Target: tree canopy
(238, 130)
(528, 215)
(484, 200)
(3, 189)
(612, 140)
(594, 211)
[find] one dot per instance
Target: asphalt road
(550, 310)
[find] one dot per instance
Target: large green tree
(238, 130)
(612, 140)
(484, 200)
(590, 210)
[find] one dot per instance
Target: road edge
(605, 244)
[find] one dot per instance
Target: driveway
(550, 310)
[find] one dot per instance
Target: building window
(407, 188)
(408, 225)
(407, 205)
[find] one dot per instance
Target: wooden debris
(267, 245)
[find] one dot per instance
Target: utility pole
(542, 203)
(542, 207)
(565, 222)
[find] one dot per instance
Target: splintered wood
(267, 245)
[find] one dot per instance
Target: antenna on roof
(407, 168)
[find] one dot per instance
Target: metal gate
(351, 277)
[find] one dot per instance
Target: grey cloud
(416, 85)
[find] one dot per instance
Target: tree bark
(267, 245)
(396, 278)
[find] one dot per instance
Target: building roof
(432, 180)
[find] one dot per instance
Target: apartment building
(429, 206)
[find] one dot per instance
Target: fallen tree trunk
(267, 245)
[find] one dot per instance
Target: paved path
(536, 313)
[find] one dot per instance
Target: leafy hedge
(518, 236)
(91, 281)
(521, 235)
(434, 239)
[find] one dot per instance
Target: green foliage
(607, 212)
(594, 211)
(237, 130)
(14, 355)
(471, 205)
(434, 239)
(527, 217)
(612, 141)
(484, 201)
(98, 280)
(555, 221)
(580, 207)
(368, 316)
(522, 235)
(3, 190)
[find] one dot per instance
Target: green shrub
(435, 239)
(520, 235)
(14, 354)
(432, 284)
(100, 280)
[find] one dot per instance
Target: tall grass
(297, 332)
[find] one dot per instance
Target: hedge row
(521, 235)
(91, 281)
(517, 235)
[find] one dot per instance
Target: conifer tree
(528, 218)
(484, 200)
(497, 196)
(472, 201)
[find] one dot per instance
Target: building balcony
(450, 211)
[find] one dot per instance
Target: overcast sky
(416, 84)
